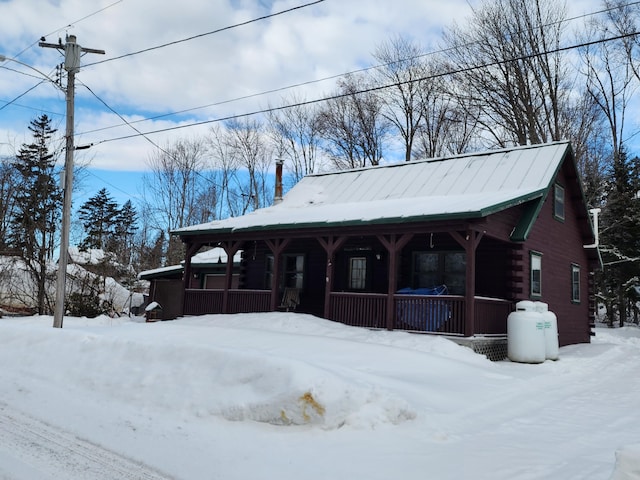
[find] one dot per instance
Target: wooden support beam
(394, 243)
(231, 248)
(331, 244)
(276, 246)
(469, 242)
(190, 250)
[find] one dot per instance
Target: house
(208, 271)
(445, 246)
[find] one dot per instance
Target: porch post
(394, 245)
(470, 243)
(276, 246)
(231, 248)
(190, 251)
(331, 244)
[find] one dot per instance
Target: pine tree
(38, 206)
(99, 219)
(125, 228)
(621, 234)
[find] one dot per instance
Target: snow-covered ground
(289, 396)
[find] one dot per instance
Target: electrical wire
(22, 95)
(165, 151)
(332, 77)
(67, 26)
(175, 42)
(374, 88)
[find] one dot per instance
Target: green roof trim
(528, 218)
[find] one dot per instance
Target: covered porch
(360, 277)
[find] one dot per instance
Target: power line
(332, 77)
(22, 95)
(67, 26)
(165, 151)
(175, 42)
(374, 88)
(37, 109)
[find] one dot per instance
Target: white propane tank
(552, 348)
(525, 334)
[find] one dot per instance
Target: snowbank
(282, 395)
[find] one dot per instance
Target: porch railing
(249, 301)
(443, 314)
(491, 315)
(430, 313)
(201, 301)
(359, 309)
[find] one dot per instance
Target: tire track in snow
(60, 454)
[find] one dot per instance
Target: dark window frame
(443, 273)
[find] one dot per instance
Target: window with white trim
(558, 202)
(575, 283)
(536, 274)
(357, 273)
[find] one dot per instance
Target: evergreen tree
(99, 219)
(620, 235)
(126, 225)
(37, 207)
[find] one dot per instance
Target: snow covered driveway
(30, 449)
(284, 395)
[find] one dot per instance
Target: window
(558, 202)
(536, 274)
(357, 273)
(292, 271)
(455, 272)
(432, 269)
(426, 269)
(575, 283)
(268, 272)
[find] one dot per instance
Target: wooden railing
(358, 309)
(443, 314)
(430, 313)
(491, 315)
(249, 301)
(200, 301)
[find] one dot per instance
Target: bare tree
(352, 125)
(405, 68)
(248, 144)
(507, 70)
(8, 187)
(296, 134)
(173, 187)
(224, 162)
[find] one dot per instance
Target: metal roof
(465, 186)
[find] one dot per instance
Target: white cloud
(314, 42)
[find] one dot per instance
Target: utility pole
(72, 54)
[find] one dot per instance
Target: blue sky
(325, 39)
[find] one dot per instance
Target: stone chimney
(277, 198)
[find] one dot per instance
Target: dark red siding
(561, 245)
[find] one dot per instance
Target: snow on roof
(215, 255)
(212, 256)
(472, 185)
